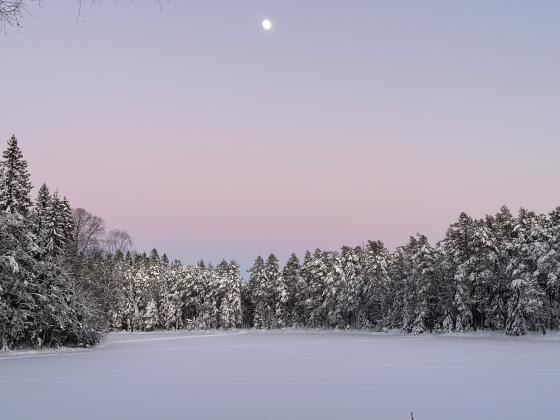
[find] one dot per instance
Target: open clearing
(287, 375)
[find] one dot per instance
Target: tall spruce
(291, 274)
(56, 235)
(15, 185)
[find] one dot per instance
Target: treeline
(498, 273)
(64, 280)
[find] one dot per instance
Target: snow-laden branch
(10, 262)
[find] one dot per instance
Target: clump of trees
(151, 293)
(64, 280)
(498, 273)
(42, 299)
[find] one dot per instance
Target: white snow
(287, 375)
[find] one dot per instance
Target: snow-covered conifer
(15, 185)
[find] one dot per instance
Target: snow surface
(287, 375)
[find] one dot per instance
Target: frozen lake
(297, 375)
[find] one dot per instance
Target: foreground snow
(287, 375)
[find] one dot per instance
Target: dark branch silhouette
(13, 11)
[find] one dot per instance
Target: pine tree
(458, 249)
(402, 289)
(68, 226)
(426, 281)
(354, 304)
(318, 272)
(230, 306)
(302, 293)
(41, 205)
(291, 275)
(154, 256)
(526, 295)
(259, 294)
(332, 303)
(376, 283)
(15, 186)
(274, 291)
(20, 292)
(40, 212)
(497, 258)
(55, 231)
(151, 317)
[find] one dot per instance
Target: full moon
(267, 24)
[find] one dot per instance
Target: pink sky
(205, 137)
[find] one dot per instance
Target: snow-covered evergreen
(15, 185)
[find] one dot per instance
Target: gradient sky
(204, 136)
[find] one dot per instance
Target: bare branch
(117, 241)
(11, 12)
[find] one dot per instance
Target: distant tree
(458, 247)
(67, 220)
(151, 316)
(230, 302)
(259, 294)
(276, 292)
(41, 204)
(426, 285)
(377, 283)
(55, 229)
(291, 276)
(350, 297)
(117, 241)
(302, 292)
(89, 232)
(317, 272)
(525, 302)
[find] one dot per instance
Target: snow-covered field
(287, 375)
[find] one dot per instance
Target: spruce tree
(524, 306)
(259, 296)
(302, 292)
(291, 274)
(68, 225)
(41, 204)
(350, 296)
(377, 282)
(54, 227)
(274, 292)
(230, 307)
(317, 271)
(15, 186)
(458, 249)
(426, 286)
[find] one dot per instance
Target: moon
(267, 25)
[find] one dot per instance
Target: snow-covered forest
(64, 280)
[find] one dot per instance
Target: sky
(205, 136)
